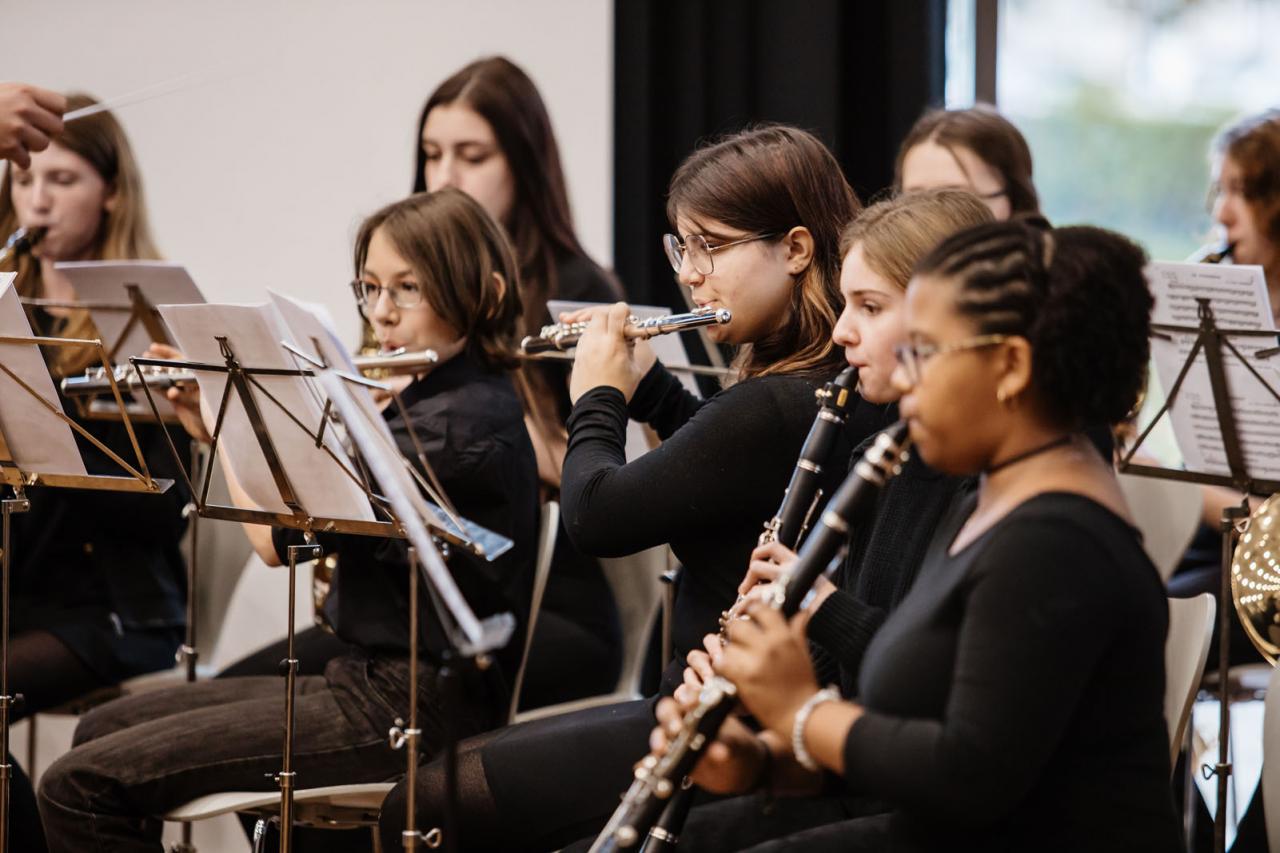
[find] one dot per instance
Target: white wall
(302, 115)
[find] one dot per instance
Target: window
(1119, 100)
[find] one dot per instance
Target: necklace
(1027, 454)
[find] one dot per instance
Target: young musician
(433, 271)
(975, 149)
(880, 249)
(99, 583)
(486, 131)
(758, 216)
(1015, 698)
(1246, 194)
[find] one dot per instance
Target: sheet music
(313, 331)
(38, 441)
(254, 333)
(411, 510)
(160, 282)
(1239, 299)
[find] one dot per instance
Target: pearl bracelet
(826, 694)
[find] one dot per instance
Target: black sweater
(1015, 698)
(717, 477)
(885, 553)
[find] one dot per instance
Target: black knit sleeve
(1039, 612)
(692, 482)
(662, 401)
(843, 626)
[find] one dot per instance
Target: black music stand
(1212, 340)
(242, 382)
(18, 476)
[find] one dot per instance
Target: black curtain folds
(857, 74)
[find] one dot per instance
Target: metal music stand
(18, 476)
(242, 382)
(1211, 340)
(470, 640)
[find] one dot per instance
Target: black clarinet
(787, 526)
(659, 777)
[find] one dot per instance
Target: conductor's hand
(605, 355)
(29, 118)
(185, 399)
(733, 763)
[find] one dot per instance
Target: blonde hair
(123, 233)
(896, 233)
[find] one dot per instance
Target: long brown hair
(541, 225)
(123, 233)
(1254, 144)
(768, 180)
(990, 136)
(454, 249)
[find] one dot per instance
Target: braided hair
(1077, 294)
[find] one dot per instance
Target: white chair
(352, 806)
(1185, 650)
(1271, 762)
(636, 585)
(1167, 512)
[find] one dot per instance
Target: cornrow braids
(1078, 295)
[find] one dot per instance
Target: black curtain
(855, 73)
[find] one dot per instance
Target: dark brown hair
(123, 234)
(540, 226)
(895, 233)
(1045, 285)
(1254, 144)
(768, 180)
(991, 137)
(454, 248)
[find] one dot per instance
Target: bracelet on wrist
(798, 748)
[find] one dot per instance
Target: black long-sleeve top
(1014, 700)
(886, 550)
(707, 490)
(471, 427)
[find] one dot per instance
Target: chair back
(1168, 514)
(548, 528)
(1185, 650)
(1271, 762)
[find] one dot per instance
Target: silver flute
(161, 377)
(559, 337)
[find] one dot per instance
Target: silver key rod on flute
(563, 336)
(95, 381)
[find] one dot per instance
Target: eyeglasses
(405, 294)
(912, 357)
(699, 250)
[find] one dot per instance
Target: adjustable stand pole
(290, 669)
(18, 503)
(187, 654)
(1222, 770)
(407, 738)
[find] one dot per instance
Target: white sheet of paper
(1238, 296)
(313, 330)
(254, 333)
(410, 510)
(161, 282)
(39, 442)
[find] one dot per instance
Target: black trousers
(142, 756)
(534, 786)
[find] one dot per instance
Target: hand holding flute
(607, 355)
